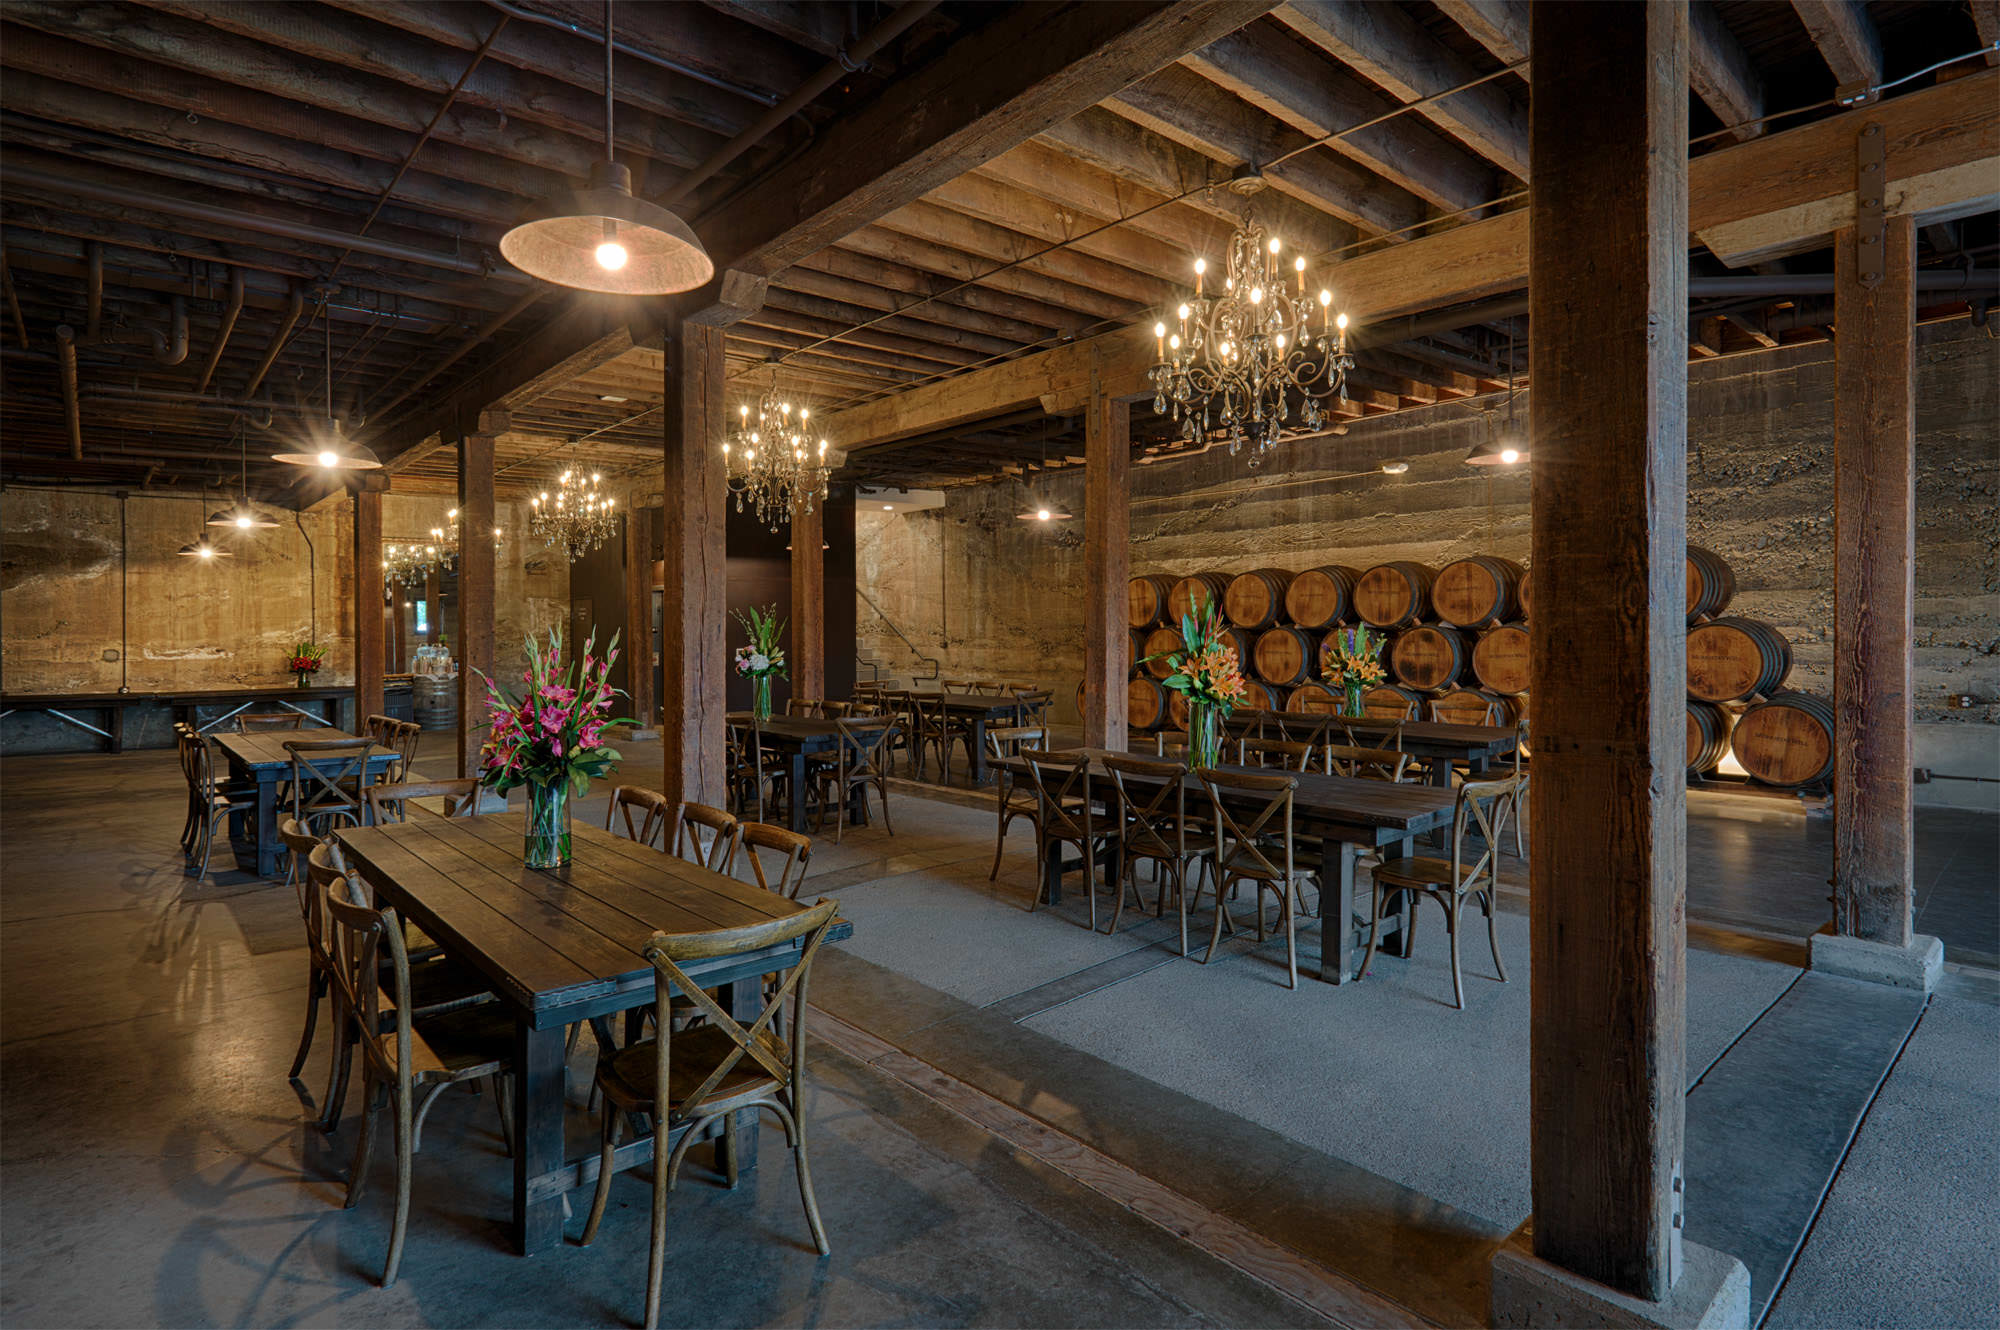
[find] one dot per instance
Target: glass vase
(1204, 735)
(299, 678)
(1352, 705)
(760, 698)
(548, 843)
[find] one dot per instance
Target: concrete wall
(992, 597)
(530, 581)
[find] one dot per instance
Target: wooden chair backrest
(1006, 740)
(1242, 843)
(380, 728)
(803, 706)
(860, 708)
(1482, 806)
(403, 736)
(1059, 779)
(323, 865)
(863, 746)
(932, 718)
(985, 688)
(955, 685)
(190, 747)
(1494, 714)
(1370, 737)
(1155, 816)
(323, 770)
(1390, 764)
(783, 1060)
(259, 722)
(645, 812)
(357, 933)
(302, 843)
(1278, 754)
(387, 803)
(722, 828)
(776, 841)
(836, 710)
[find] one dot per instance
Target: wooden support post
(368, 645)
(637, 642)
(433, 609)
(399, 652)
(1608, 296)
(1107, 567)
(809, 603)
(475, 584)
(696, 602)
(1874, 596)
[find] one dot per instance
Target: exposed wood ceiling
(358, 160)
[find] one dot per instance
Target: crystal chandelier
(774, 463)
(446, 537)
(577, 518)
(1239, 358)
(408, 563)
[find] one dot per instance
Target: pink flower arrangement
(553, 733)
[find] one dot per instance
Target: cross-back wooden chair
(644, 813)
(327, 780)
(1155, 824)
(213, 802)
(955, 685)
(986, 688)
(1256, 848)
(183, 735)
(319, 974)
(1170, 743)
(720, 828)
(407, 1059)
(1481, 808)
(389, 802)
(836, 710)
(860, 760)
(749, 770)
(1275, 754)
(1062, 790)
(1035, 703)
(779, 859)
(1368, 736)
(263, 722)
(1390, 764)
(1012, 798)
(934, 731)
(401, 735)
(379, 728)
(808, 707)
(686, 1079)
(1313, 729)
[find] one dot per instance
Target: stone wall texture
(991, 597)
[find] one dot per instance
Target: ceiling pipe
(115, 392)
(597, 39)
(72, 415)
(230, 314)
(94, 292)
(292, 312)
(13, 301)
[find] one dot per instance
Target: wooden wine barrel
(1500, 658)
(1707, 736)
(1177, 710)
(1079, 699)
(1394, 595)
(1159, 641)
(1315, 696)
(1322, 597)
(1262, 696)
(1245, 646)
(1786, 741)
(1192, 592)
(1477, 592)
(1526, 584)
(1429, 657)
(1711, 583)
(1287, 655)
(1732, 660)
(1474, 706)
(1389, 701)
(1256, 599)
(1146, 600)
(434, 702)
(1138, 647)
(1145, 704)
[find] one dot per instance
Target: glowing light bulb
(1159, 330)
(1299, 263)
(1256, 295)
(1509, 456)
(1182, 312)
(1281, 341)
(1275, 244)
(888, 507)
(1325, 298)
(243, 522)
(1041, 514)
(207, 551)
(611, 256)
(1200, 267)
(1340, 322)
(1174, 342)
(327, 458)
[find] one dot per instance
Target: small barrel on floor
(1734, 660)
(1477, 592)
(1786, 741)
(1500, 658)
(434, 702)
(1708, 729)
(1394, 595)
(1430, 656)
(1194, 593)
(1321, 597)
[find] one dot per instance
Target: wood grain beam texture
(1107, 562)
(475, 584)
(1874, 596)
(1846, 39)
(694, 618)
(369, 647)
(638, 638)
(1609, 194)
(809, 604)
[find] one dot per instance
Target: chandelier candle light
(1234, 361)
(578, 518)
(775, 463)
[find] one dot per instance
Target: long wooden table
(186, 706)
(561, 947)
(261, 759)
(1349, 816)
(1478, 746)
(796, 738)
(976, 711)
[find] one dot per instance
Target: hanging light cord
(610, 153)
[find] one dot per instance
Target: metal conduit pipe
(660, 61)
(292, 312)
(116, 392)
(230, 314)
(72, 417)
(831, 73)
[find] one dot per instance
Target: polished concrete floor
(1017, 1122)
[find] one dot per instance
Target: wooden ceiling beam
(872, 343)
(1846, 39)
(1269, 67)
(934, 318)
(1501, 26)
(821, 28)
(1392, 50)
(942, 119)
(908, 333)
(1193, 112)
(789, 333)
(712, 44)
(1986, 22)
(1089, 192)
(990, 201)
(1084, 303)
(1721, 71)
(1043, 315)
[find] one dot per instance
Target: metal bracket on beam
(1871, 170)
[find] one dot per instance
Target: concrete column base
(1916, 966)
(1713, 1294)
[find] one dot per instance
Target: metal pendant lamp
(1510, 447)
(1043, 507)
(602, 237)
(333, 452)
(242, 515)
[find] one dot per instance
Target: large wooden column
(475, 584)
(1107, 567)
(696, 601)
(637, 642)
(1874, 590)
(809, 603)
(1608, 331)
(369, 649)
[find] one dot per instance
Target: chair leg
(400, 1226)
(1291, 932)
(1493, 936)
(1090, 880)
(1374, 929)
(999, 841)
(1215, 938)
(609, 1131)
(882, 791)
(316, 986)
(1457, 980)
(656, 1255)
(729, 1150)
(1041, 867)
(806, 1184)
(338, 1069)
(1180, 897)
(357, 1173)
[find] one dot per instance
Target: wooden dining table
(564, 946)
(261, 759)
(1348, 816)
(1441, 743)
(798, 737)
(976, 711)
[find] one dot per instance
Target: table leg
(1052, 874)
(267, 824)
(1336, 927)
(978, 754)
(538, 1136)
(736, 1153)
(798, 809)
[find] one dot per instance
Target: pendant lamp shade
(242, 517)
(332, 453)
(204, 549)
(1501, 452)
(603, 238)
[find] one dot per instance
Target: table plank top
(266, 748)
(1319, 800)
(188, 695)
(808, 729)
(1475, 740)
(549, 939)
